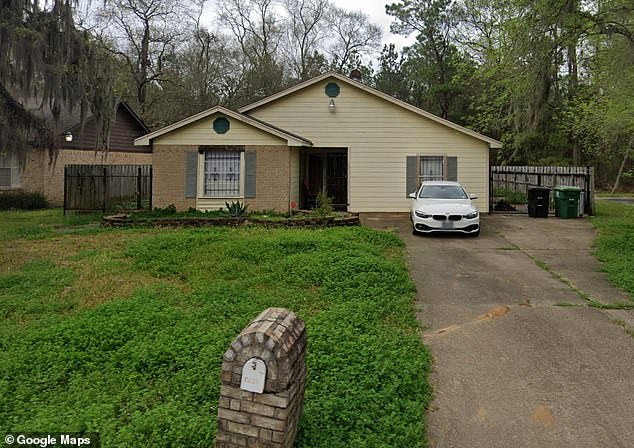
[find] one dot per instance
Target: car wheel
(476, 234)
(414, 231)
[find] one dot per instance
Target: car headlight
(471, 215)
(422, 214)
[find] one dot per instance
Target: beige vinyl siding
(213, 204)
(201, 132)
(379, 136)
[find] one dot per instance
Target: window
(429, 168)
(9, 170)
(432, 168)
(222, 174)
(443, 192)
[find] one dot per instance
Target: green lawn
(122, 332)
(615, 243)
(43, 223)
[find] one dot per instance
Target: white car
(444, 206)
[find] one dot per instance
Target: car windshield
(443, 192)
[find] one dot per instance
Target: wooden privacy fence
(89, 188)
(509, 185)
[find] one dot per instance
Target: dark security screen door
(324, 170)
(337, 179)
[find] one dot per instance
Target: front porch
(324, 171)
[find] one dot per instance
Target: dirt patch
(15, 253)
(543, 416)
(95, 259)
(94, 289)
(494, 312)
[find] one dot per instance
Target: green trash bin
(567, 202)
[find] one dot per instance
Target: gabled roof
(69, 120)
(250, 107)
(134, 115)
(291, 139)
(125, 127)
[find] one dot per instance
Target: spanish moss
(48, 69)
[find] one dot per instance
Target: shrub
(236, 209)
(169, 210)
(510, 196)
(324, 205)
(23, 200)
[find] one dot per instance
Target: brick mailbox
(263, 381)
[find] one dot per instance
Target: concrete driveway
(520, 360)
(623, 200)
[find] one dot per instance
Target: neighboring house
(331, 134)
(39, 173)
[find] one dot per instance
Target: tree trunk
(571, 8)
(617, 181)
(144, 63)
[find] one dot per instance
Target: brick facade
(33, 173)
(47, 176)
(268, 419)
(169, 164)
(272, 178)
(273, 174)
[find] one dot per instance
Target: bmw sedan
(443, 206)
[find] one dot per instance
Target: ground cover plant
(122, 331)
(614, 245)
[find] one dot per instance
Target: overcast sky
(376, 10)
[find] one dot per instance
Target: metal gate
(105, 188)
(509, 185)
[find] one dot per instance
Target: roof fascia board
(290, 139)
(131, 111)
(121, 104)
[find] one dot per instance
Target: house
(331, 134)
(39, 173)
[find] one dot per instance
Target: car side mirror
(473, 196)
(412, 196)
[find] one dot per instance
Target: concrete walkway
(512, 366)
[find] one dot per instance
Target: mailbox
(253, 376)
(263, 381)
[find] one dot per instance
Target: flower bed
(304, 220)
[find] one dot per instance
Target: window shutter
(452, 168)
(191, 175)
(412, 180)
(249, 175)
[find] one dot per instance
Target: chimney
(356, 75)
